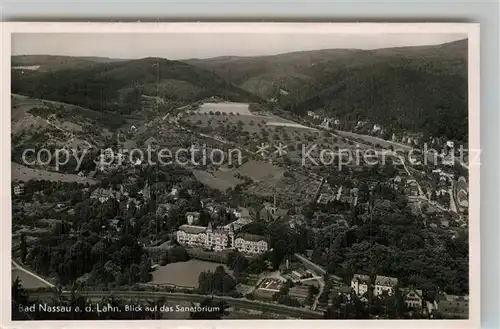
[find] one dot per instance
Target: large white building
(220, 239)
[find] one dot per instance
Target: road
(181, 297)
(384, 143)
(15, 265)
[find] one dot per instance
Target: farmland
(183, 274)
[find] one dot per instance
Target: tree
(19, 297)
(24, 249)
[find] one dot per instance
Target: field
(183, 274)
(236, 108)
(219, 180)
(23, 174)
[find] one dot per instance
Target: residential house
(412, 188)
(360, 284)
(271, 213)
(192, 217)
(19, 189)
(385, 284)
(250, 243)
(241, 212)
(102, 195)
(237, 224)
(412, 297)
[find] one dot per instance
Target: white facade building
(220, 239)
(360, 284)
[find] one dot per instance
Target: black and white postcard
(241, 171)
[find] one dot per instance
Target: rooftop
(361, 278)
(192, 229)
(251, 237)
(385, 281)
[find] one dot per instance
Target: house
(412, 297)
(133, 202)
(271, 213)
(19, 189)
(102, 195)
(412, 188)
(174, 192)
(376, 128)
(450, 144)
(241, 212)
(81, 174)
(251, 243)
(108, 153)
(453, 306)
(360, 284)
(384, 284)
(325, 198)
(192, 217)
(238, 224)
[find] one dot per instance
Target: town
(244, 228)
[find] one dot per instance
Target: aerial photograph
(239, 176)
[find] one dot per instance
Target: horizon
(209, 46)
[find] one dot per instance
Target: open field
(225, 178)
(236, 108)
(219, 180)
(23, 174)
(183, 273)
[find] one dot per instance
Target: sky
(194, 45)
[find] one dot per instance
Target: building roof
(251, 237)
(193, 213)
(385, 281)
(192, 229)
(361, 278)
(406, 291)
(100, 192)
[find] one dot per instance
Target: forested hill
(421, 89)
(117, 86)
